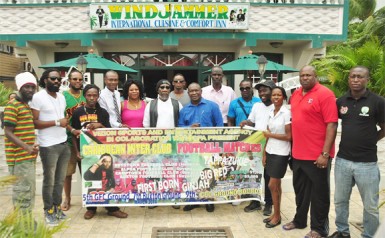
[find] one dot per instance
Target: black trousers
(312, 188)
(110, 209)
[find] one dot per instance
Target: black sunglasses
(164, 87)
(244, 88)
(55, 78)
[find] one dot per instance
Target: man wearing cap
(259, 118)
(221, 94)
(314, 128)
(20, 148)
(48, 108)
(162, 112)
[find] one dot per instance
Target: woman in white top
(277, 150)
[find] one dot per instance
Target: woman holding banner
(277, 151)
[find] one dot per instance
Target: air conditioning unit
(28, 67)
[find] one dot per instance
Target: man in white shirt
(162, 112)
(48, 116)
(219, 93)
(259, 118)
(110, 98)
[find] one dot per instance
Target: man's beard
(75, 88)
(52, 88)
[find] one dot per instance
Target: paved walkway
(141, 220)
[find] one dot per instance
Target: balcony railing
(308, 2)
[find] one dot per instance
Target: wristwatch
(325, 154)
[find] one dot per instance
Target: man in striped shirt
(20, 148)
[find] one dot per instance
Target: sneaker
(253, 206)
(236, 203)
(338, 234)
(267, 210)
(59, 213)
(50, 217)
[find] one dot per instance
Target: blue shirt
(236, 111)
(206, 113)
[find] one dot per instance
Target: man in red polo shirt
(314, 127)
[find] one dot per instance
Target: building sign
(127, 16)
(136, 167)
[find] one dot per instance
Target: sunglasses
(55, 78)
(178, 81)
(244, 88)
(164, 87)
(77, 79)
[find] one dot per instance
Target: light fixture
(62, 44)
(276, 44)
(81, 63)
(262, 61)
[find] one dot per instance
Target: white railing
(326, 2)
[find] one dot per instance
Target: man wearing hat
(20, 148)
(258, 118)
(162, 112)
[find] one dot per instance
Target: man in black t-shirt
(361, 111)
(91, 116)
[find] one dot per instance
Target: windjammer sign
(126, 16)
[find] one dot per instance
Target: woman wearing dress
(133, 105)
(277, 150)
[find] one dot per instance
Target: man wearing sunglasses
(240, 108)
(179, 92)
(162, 112)
(48, 108)
(74, 99)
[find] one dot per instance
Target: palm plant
(21, 224)
(361, 9)
(4, 93)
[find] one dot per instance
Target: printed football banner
(147, 167)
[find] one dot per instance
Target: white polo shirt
(277, 125)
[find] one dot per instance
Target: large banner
(128, 16)
(132, 167)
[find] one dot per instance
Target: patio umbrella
(249, 62)
(95, 62)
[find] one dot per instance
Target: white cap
(25, 78)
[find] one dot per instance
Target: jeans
(367, 178)
(54, 160)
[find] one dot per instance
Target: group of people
(303, 136)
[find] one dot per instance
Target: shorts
(73, 162)
(276, 165)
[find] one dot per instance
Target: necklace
(92, 112)
(78, 98)
(136, 105)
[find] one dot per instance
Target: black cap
(267, 83)
(162, 81)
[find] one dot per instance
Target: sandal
(66, 205)
(289, 226)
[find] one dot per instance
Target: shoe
(267, 210)
(271, 225)
(66, 205)
(289, 226)
(253, 206)
(118, 214)
(59, 213)
(190, 207)
(89, 214)
(50, 217)
(210, 207)
(338, 234)
(152, 207)
(176, 207)
(266, 220)
(313, 234)
(236, 203)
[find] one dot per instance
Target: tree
(361, 9)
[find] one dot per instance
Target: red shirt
(310, 115)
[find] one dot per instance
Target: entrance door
(151, 77)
